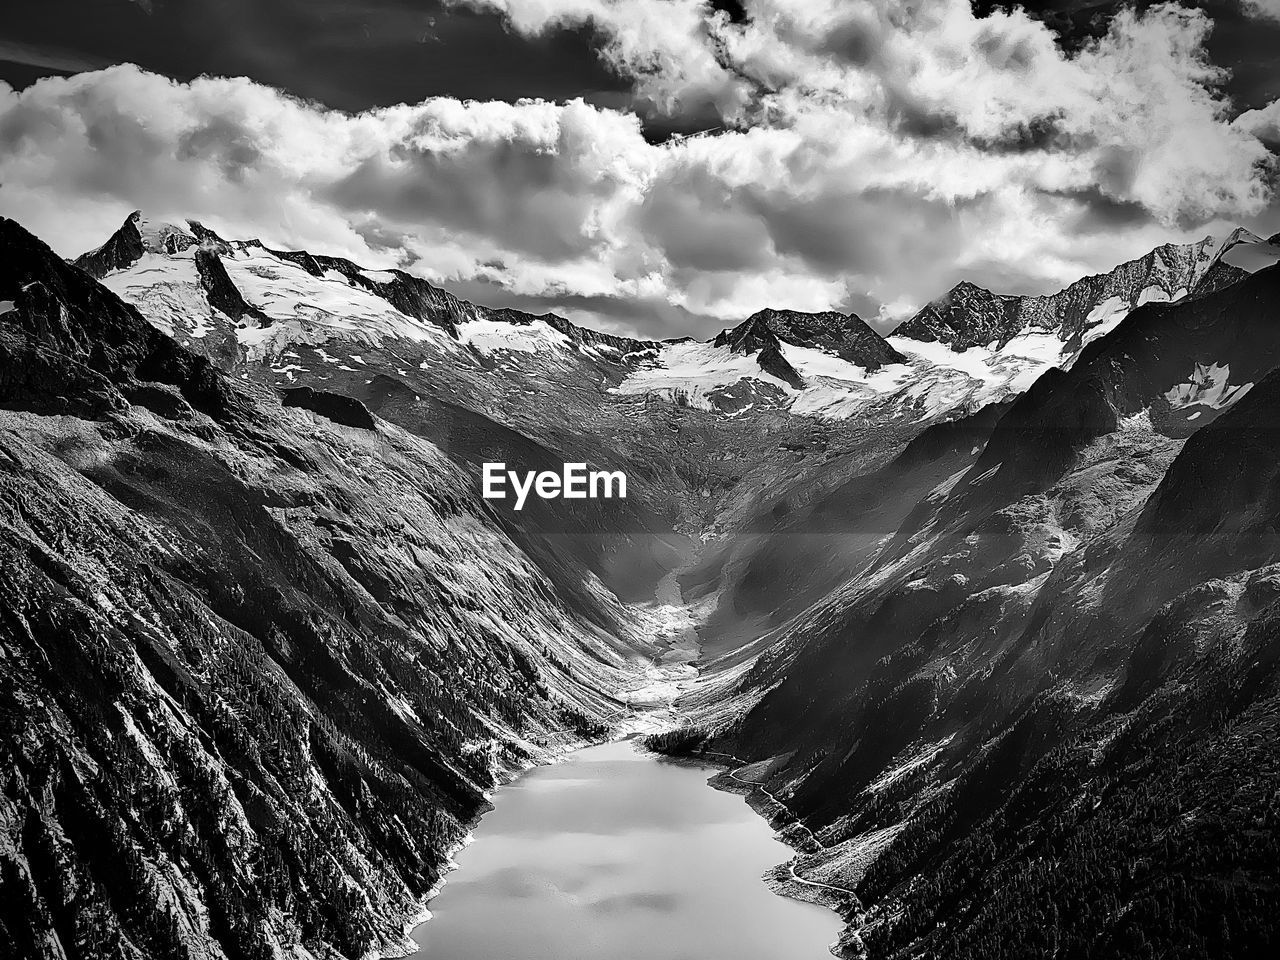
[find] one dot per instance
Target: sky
(664, 167)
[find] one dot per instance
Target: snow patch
(692, 370)
(313, 310)
(1209, 386)
(490, 336)
(1158, 295)
(158, 236)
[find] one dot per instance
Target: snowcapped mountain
(960, 593)
(288, 316)
(843, 335)
(262, 302)
(970, 316)
(967, 349)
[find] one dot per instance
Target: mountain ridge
(411, 295)
(846, 336)
(969, 315)
(271, 313)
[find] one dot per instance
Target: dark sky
(349, 54)
(353, 54)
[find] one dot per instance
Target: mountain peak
(844, 335)
(965, 316)
(136, 236)
(70, 344)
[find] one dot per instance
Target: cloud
(669, 49)
(871, 157)
(1263, 8)
(544, 178)
(1263, 124)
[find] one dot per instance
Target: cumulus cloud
(1264, 124)
(871, 155)
(669, 49)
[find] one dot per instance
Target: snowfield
(490, 336)
(934, 380)
(167, 289)
(310, 309)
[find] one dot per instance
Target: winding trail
(733, 775)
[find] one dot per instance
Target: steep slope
(136, 238)
(820, 533)
(1055, 680)
(261, 666)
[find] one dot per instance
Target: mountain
(989, 631)
(257, 678)
(845, 336)
(966, 316)
(971, 316)
(1052, 676)
(286, 317)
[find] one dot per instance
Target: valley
(981, 615)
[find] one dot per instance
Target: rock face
(336, 407)
(969, 316)
(841, 335)
(135, 237)
(223, 295)
(763, 334)
(844, 335)
(69, 343)
(966, 316)
(255, 683)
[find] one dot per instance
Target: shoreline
(782, 879)
(627, 727)
(795, 888)
(407, 946)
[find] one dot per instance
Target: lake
(617, 855)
